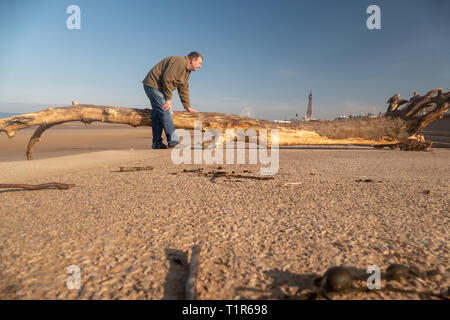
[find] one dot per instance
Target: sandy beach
(130, 233)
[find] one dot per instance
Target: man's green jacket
(169, 74)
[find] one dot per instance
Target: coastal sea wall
(438, 132)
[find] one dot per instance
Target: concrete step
(441, 145)
(437, 133)
(438, 139)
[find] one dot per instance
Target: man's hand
(168, 105)
(191, 110)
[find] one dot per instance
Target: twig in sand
(193, 170)
(218, 174)
(291, 183)
(191, 282)
(231, 175)
(50, 185)
(125, 169)
(366, 180)
(227, 175)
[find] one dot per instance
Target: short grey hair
(194, 55)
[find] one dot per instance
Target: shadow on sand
(297, 283)
(283, 279)
(175, 282)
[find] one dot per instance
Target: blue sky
(260, 55)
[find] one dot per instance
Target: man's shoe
(173, 146)
(179, 145)
(163, 146)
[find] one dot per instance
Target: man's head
(195, 61)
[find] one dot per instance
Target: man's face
(196, 63)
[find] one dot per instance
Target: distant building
(359, 116)
(308, 116)
(309, 111)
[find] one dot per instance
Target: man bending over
(167, 75)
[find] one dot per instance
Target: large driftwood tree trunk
(401, 125)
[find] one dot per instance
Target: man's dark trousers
(161, 119)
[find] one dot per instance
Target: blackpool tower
(309, 111)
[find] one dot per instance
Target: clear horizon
(263, 56)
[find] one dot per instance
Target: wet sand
(131, 233)
(75, 138)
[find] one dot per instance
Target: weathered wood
(224, 174)
(37, 137)
(191, 282)
(229, 175)
(403, 122)
(127, 169)
(50, 185)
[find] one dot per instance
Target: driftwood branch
(126, 169)
(36, 137)
(227, 175)
(403, 122)
(191, 282)
(50, 185)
